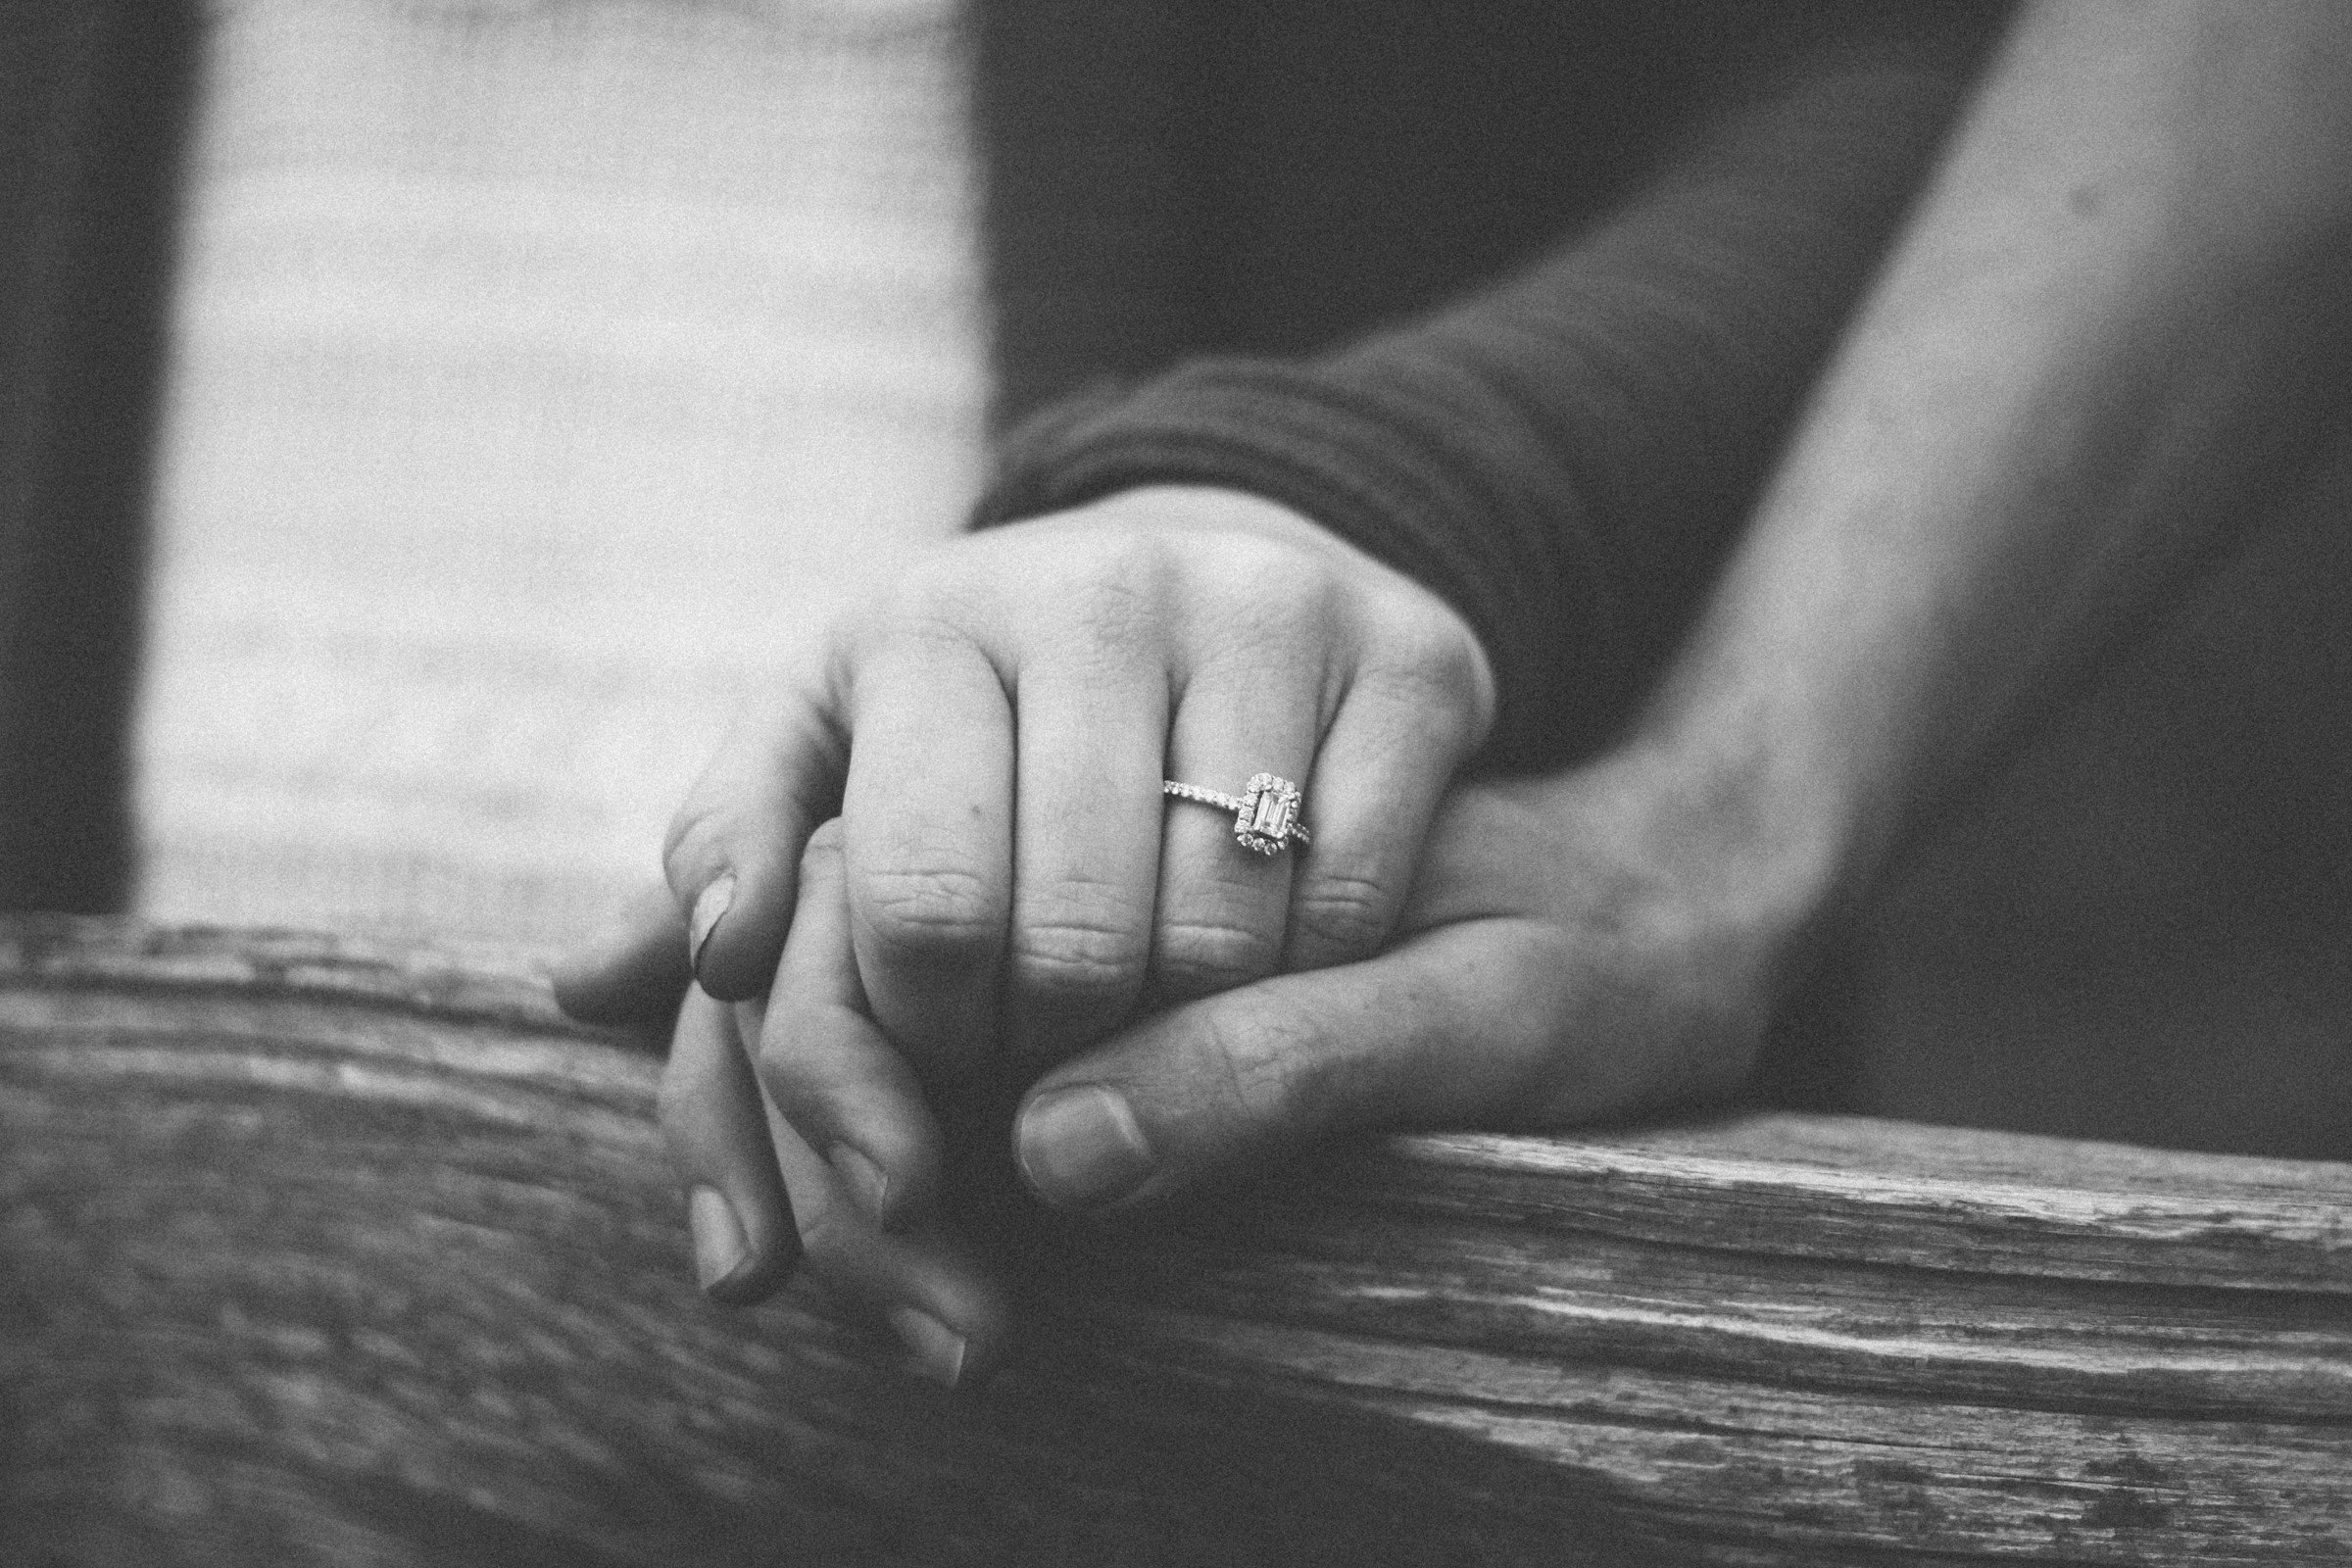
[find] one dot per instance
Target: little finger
(1224, 897)
(716, 1123)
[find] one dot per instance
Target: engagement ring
(1265, 814)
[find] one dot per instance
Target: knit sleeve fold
(1566, 457)
(1388, 467)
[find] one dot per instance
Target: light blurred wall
(537, 366)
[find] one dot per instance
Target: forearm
(1565, 456)
(2114, 332)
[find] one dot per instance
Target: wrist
(1698, 886)
(1760, 822)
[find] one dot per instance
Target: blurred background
(533, 366)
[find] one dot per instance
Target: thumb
(1447, 1029)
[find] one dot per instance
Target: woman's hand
(995, 733)
(1576, 947)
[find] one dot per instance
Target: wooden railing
(318, 1252)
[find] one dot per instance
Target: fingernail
(713, 901)
(720, 1251)
(867, 1182)
(937, 1351)
(1082, 1147)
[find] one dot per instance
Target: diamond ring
(1265, 814)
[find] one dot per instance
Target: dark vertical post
(95, 96)
(1090, 118)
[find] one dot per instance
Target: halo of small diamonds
(1265, 814)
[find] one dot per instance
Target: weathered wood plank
(1888, 1192)
(318, 1251)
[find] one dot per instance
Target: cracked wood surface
(324, 1251)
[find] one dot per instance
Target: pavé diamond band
(1265, 814)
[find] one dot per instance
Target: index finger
(733, 846)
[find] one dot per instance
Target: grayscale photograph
(1146, 783)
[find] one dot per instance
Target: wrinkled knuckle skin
(1265, 1075)
(1116, 605)
(1078, 962)
(939, 918)
(1291, 613)
(1199, 959)
(930, 613)
(1338, 918)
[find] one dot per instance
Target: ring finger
(1222, 907)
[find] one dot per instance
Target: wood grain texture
(314, 1252)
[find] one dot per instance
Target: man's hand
(1576, 947)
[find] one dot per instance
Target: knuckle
(936, 604)
(1110, 584)
(1274, 568)
(931, 916)
(1429, 656)
(1078, 959)
(1433, 659)
(1111, 605)
(1102, 623)
(1274, 591)
(824, 845)
(1201, 958)
(1293, 606)
(915, 634)
(1124, 571)
(1345, 917)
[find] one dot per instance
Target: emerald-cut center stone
(1269, 812)
(1273, 814)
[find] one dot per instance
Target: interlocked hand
(1012, 879)
(1575, 947)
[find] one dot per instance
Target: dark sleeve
(1566, 455)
